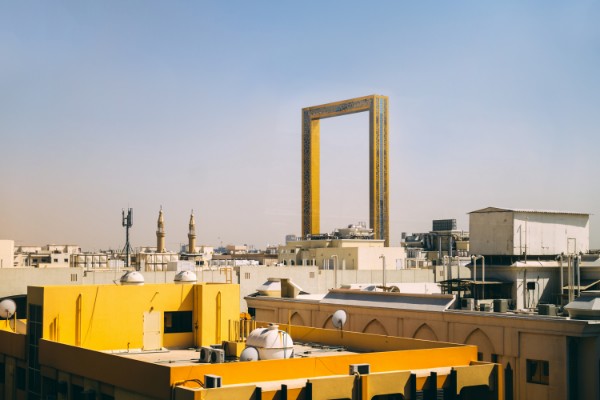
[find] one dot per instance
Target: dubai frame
(377, 106)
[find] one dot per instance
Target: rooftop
(496, 209)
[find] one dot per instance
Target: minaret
(160, 233)
(192, 235)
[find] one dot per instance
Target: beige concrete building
(149, 260)
(343, 254)
(89, 261)
(543, 357)
(201, 255)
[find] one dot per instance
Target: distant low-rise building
(7, 253)
(351, 248)
(48, 256)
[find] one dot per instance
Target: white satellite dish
(7, 308)
(339, 319)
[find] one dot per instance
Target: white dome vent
(132, 278)
(185, 277)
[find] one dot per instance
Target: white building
(524, 247)
(7, 251)
(49, 256)
(505, 232)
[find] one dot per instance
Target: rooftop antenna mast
(127, 223)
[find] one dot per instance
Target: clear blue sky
(196, 105)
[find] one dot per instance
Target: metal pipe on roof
(578, 271)
(570, 277)
(383, 257)
(457, 272)
(525, 294)
(559, 258)
(483, 274)
(447, 271)
(335, 259)
(474, 259)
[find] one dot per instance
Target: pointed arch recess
(375, 327)
(484, 345)
(297, 319)
(425, 332)
(328, 324)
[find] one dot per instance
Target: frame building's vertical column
(311, 142)
(379, 167)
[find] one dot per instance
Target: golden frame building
(377, 106)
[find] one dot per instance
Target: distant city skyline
(111, 105)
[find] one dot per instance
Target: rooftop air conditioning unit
(500, 305)
(467, 304)
(547, 309)
(362, 369)
(217, 356)
(205, 354)
(212, 381)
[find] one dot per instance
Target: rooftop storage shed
(497, 231)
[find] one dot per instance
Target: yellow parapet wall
(113, 317)
(394, 368)
(356, 340)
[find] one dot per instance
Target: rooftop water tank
(271, 343)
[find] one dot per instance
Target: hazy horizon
(110, 105)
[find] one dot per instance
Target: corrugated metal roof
(496, 209)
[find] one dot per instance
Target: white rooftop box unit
(180, 265)
(497, 231)
(467, 303)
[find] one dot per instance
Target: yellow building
(140, 342)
